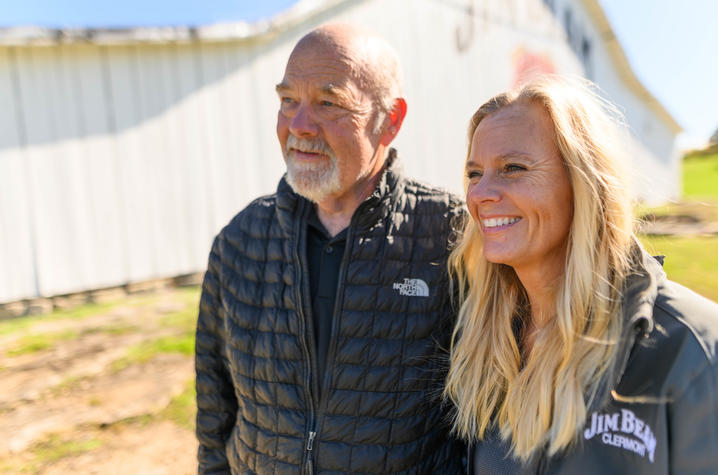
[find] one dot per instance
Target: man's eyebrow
(335, 90)
(331, 89)
(282, 86)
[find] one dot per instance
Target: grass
(83, 311)
(706, 210)
(55, 448)
(184, 321)
(52, 448)
(690, 261)
(143, 352)
(182, 409)
(118, 329)
(38, 342)
(700, 191)
(67, 384)
(700, 177)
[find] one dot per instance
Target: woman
(572, 353)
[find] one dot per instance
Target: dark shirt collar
(314, 224)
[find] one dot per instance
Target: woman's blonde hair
(540, 403)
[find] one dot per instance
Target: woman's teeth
(494, 222)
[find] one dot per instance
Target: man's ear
(395, 118)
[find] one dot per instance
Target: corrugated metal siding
(119, 163)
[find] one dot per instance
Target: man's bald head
(372, 62)
(340, 108)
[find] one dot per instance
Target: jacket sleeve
(216, 402)
(693, 423)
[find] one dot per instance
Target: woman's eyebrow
(504, 157)
(513, 155)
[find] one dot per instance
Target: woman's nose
(485, 190)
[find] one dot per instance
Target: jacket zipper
(316, 421)
(310, 445)
(309, 355)
(332, 336)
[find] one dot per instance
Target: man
(324, 308)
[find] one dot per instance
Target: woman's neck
(541, 292)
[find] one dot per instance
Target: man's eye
(327, 103)
(286, 100)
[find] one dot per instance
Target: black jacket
(255, 355)
(659, 411)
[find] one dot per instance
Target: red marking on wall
(529, 65)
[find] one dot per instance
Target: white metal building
(123, 152)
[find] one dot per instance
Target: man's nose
(303, 123)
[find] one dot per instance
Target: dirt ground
(80, 406)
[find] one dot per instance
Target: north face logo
(412, 288)
(615, 428)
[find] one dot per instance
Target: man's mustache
(308, 145)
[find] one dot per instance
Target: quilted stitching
(380, 413)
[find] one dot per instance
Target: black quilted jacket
(255, 352)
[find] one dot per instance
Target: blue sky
(671, 44)
(673, 48)
(122, 13)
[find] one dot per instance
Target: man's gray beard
(314, 181)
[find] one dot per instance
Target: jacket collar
(639, 295)
(376, 207)
(641, 290)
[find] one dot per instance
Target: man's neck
(334, 223)
(335, 213)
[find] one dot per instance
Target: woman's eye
(327, 103)
(473, 174)
(512, 167)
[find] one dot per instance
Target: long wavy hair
(540, 402)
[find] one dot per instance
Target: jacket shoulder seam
(262, 204)
(698, 375)
(706, 365)
(420, 187)
(679, 318)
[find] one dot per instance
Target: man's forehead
(318, 82)
(320, 75)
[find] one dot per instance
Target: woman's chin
(496, 258)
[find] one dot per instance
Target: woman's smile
(498, 223)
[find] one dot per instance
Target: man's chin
(311, 186)
(312, 194)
